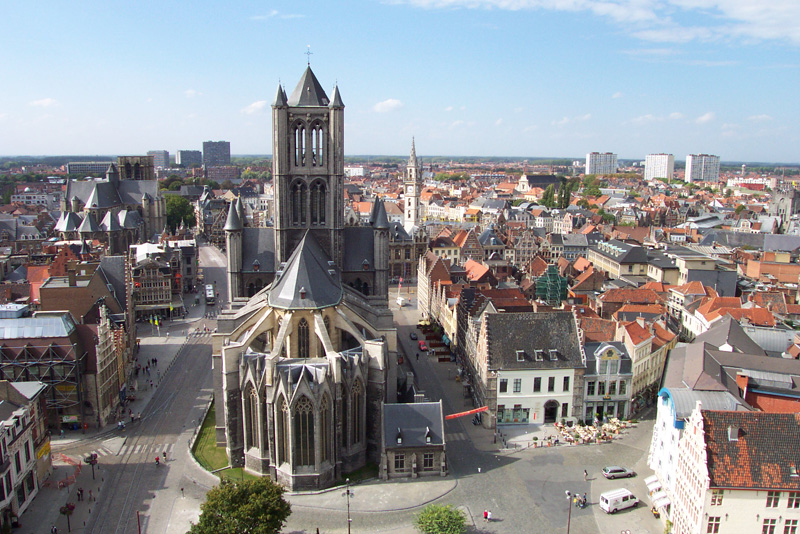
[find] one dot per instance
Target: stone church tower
(303, 366)
(308, 168)
(413, 186)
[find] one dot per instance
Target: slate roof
(308, 92)
(684, 401)
(89, 224)
(414, 421)
(310, 280)
(398, 233)
(764, 454)
(729, 331)
(621, 252)
(258, 245)
(69, 222)
(359, 242)
(130, 219)
(113, 268)
(510, 332)
(110, 223)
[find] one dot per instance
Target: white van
(617, 499)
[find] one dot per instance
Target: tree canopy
(439, 519)
(249, 507)
(179, 209)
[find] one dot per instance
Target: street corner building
(303, 366)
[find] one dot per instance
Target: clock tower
(412, 187)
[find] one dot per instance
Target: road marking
(101, 452)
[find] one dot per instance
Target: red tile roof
(632, 295)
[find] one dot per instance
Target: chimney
(71, 275)
(640, 320)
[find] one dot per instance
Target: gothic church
(306, 355)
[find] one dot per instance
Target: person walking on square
(489, 516)
(585, 474)
(485, 515)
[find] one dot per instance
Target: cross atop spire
(308, 55)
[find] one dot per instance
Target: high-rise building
(216, 153)
(601, 163)
(187, 158)
(160, 158)
(702, 168)
(659, 166)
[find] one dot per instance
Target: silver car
(615, 471)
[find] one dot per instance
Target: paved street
(524, 488)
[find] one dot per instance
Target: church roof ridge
(309, 279)
(308, 92)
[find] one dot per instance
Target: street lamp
(92, 460)
(348, 494)
(569, 508)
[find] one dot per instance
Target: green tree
(250, 507)
(439, 519)
(179, 209)
(739, 209)
(728, 193)
(548, 197)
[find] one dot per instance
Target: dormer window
(256, 265)
(427, 434)
(733, 433)
(553, 355)
(365, 265)
(399, 436)
(520, 355)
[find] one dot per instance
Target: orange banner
(471, 412)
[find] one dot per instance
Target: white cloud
(191, 116)
(449, 108)
(705, 118)
(570, 120)
(618, 94)
(275, 13)
(498, 122)
(191, 93)
(43, 103)
(255, 107)
(390, 104)
(3, 116)
(675, 115)
(646, 119)
(760, 118)
(728, 20)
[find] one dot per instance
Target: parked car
(422, 345)
(615, 471)
(413, 335)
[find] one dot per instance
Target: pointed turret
(336, 98)
(280, 97)
(240, 209)
(412, 160)
(380, 219)
(308, 92)
(234, 222)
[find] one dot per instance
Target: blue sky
(465, 77)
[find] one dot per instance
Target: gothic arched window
(345, 418)
(317, 145)
(325, 428)
(299, 195)
(358, 421)
(282, 437)
(251, 417)
(318, 203)
(304, 433)
(299, 145)
(303, 340)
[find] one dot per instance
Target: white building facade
(702, 168)
(659, 166)
(601, 163)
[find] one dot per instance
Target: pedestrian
(164, 454)
(91, 497)
(418, 356)
(80, 497)
(489, 516)
(54, 530)
(585, 474)
(485, 515)
(151, 383)
(182, 495)
(584, 499)
(62, 433)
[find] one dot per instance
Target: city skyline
(505, 78)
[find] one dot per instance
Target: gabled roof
(89, 224)
(416, 422)
(752, 450)
(310, 279)
(511, 332)
(308, 92)
(110, 223)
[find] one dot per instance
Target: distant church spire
(412, 161)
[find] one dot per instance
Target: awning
(661, 502)
(649, 480)
(653, 485)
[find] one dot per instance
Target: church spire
(412, 161)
